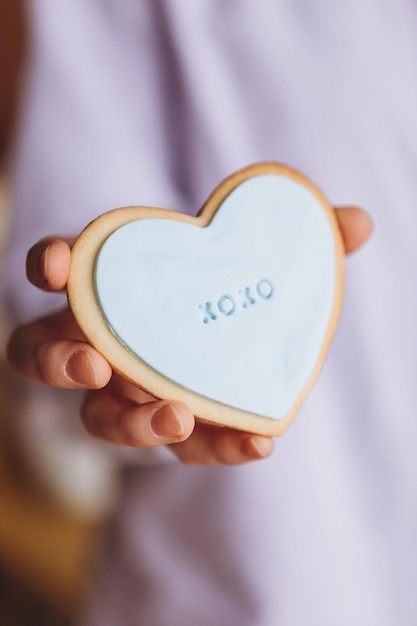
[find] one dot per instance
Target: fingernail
(166, 423)
(80, 369)
(43, 263)
(255, 448)
(37, 262)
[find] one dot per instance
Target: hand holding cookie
(54, 350)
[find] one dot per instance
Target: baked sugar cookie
(232, 311)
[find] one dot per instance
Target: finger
(208, 444)
(38, 352)
(355, 226)
(214, 445)
(48, 262)
(124, 422)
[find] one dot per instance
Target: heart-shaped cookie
(231, 312)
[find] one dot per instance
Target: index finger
(48, 262)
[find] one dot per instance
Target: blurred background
(47, 542)
(48, 532)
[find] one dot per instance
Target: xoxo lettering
(227, 304)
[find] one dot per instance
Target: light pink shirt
(154, 102)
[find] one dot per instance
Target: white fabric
(154, 102)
